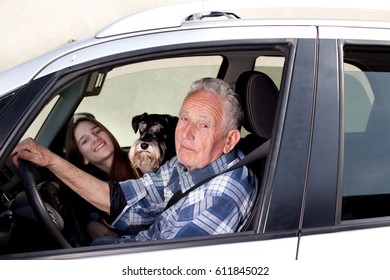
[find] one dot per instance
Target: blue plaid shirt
(222, 205)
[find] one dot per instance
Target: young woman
(91, 146)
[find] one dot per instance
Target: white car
(325, 184)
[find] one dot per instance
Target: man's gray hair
(233, 114)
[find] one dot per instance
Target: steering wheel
(43, 213)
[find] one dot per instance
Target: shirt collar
(189, 178)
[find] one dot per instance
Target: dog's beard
(145, 159)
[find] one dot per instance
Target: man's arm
(90, 188)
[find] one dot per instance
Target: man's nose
(188, 131)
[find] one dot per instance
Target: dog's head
(156, 143)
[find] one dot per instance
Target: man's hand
(90, 188)
(30, 150)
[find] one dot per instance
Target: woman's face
(94, 144)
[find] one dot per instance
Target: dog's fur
(156, 143)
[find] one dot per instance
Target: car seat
(259, 96)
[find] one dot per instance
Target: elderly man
(206, 135)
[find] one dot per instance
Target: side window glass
(32, 131)
(358, 100)
(366, 111)
(157, 86)
(272, 66)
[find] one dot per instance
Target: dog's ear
(171, 122)
(136, 120)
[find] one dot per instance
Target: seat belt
(259, 153)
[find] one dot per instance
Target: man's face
(199, 136)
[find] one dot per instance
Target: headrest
(259, 97)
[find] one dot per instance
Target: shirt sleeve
(117, 201)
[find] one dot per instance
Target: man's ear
(232, 139)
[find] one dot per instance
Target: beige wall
(32, 27)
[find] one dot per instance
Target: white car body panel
(252, 253)
(166, 39)
(23, 73)
(346, 245)
(355, 33)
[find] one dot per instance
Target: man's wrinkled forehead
(203, 101)
(206, 116)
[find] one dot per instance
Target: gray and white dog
(156, 143)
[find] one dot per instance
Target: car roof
(174, 15)
(196, 15)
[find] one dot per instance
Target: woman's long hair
(121, 168)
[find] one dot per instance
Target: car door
(282, 190)
(346, 215)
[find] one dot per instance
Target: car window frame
(73, 73)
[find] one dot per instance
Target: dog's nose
(144, 145)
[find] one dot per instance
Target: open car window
(157, 86)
